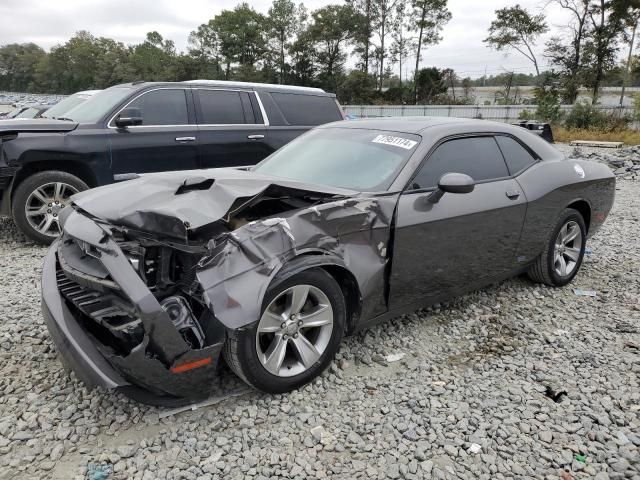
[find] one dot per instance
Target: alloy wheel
(294, 330)
(568, 246)
(44, 204)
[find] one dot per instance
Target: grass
(565, 135)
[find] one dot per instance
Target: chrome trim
(255, 137)
(224, 83)
(262, 110)
(185, 139)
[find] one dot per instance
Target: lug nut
(295, 335)
(57, 202)
(49, 210)
(283, 325)
(55, 214)
(299, 323)
(284, 337)
(50, 205)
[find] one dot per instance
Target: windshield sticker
(395, 141)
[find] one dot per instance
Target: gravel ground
(515, 381)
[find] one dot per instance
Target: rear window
(307, 109)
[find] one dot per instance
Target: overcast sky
(51, 22)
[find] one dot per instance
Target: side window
(163, 107)
(221, 107)
(478, 157)
(516, 156)
(301, 109)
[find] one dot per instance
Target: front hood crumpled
(175, 203)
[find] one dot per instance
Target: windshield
(357, 159)
(30, 112)
(98, 105)
(61, 108)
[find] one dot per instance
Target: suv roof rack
(230, 83)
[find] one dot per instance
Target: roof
(265, 86)
(414, 124)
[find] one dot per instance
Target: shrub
(585, 116)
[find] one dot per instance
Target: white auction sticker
(395, 141)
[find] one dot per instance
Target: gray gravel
(470, 398)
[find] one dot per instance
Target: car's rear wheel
(38, 201)
(296, 337)
(562, 257)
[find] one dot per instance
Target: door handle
(513, 194)
(255, 137)
(185, 139)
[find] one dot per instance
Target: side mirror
(452, 183)
(129, 117)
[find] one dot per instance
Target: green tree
(333, 27)
(428, 17)
(242, 37)
(357, 87)
(18, 66)
(204, 48)
(154, 59)
(430, 84)
(565, 51)
(515, 28)
(402, 43)
(285, 21)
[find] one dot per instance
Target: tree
(607, 24)
(242, 37)
(428, 17)
(153, 59)
(285, 20)
(204, 46)
(515, 28)
(402, 43)
(18, 66)
(385, 21)
(566, 51)
(430, 83)
(362, 39)
(333, 27)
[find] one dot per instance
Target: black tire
(240, 348)
(543, 270)
(27, 187)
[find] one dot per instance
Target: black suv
(146, 127)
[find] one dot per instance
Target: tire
(545, 269)
(242, 348)
(46, 183)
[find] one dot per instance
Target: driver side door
(464, 240)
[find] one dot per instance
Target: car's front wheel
(564, 251)
(296, 337)
(38, 201)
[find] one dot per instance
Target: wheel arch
(73, 167)
(584, 208)
(335, 267)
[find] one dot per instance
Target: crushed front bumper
(162, 368)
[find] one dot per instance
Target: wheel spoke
(33, 212)
(58, 192)
(571, 234)
(563, 265)
(321, 315)
(274, 356)
(45, 225)
(41, 195)
(572, 253)
(307, 353)
(297, 299)
(270, 322)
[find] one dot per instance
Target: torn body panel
(352, 233)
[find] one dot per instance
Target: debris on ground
(395, 357)
(585, 293)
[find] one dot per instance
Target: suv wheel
(38, 200)
(296, 337)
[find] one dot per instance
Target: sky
(51, 22)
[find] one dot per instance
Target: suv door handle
(513, 194)
(255, 137)
(185, 139)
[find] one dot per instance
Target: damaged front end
(138, 294)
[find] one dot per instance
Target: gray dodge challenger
(157, 281)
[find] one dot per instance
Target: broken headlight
(182, 317)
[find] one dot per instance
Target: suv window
(222, 107)
(163, 107)
(307, 109)
(478, 157)
(517, 157)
